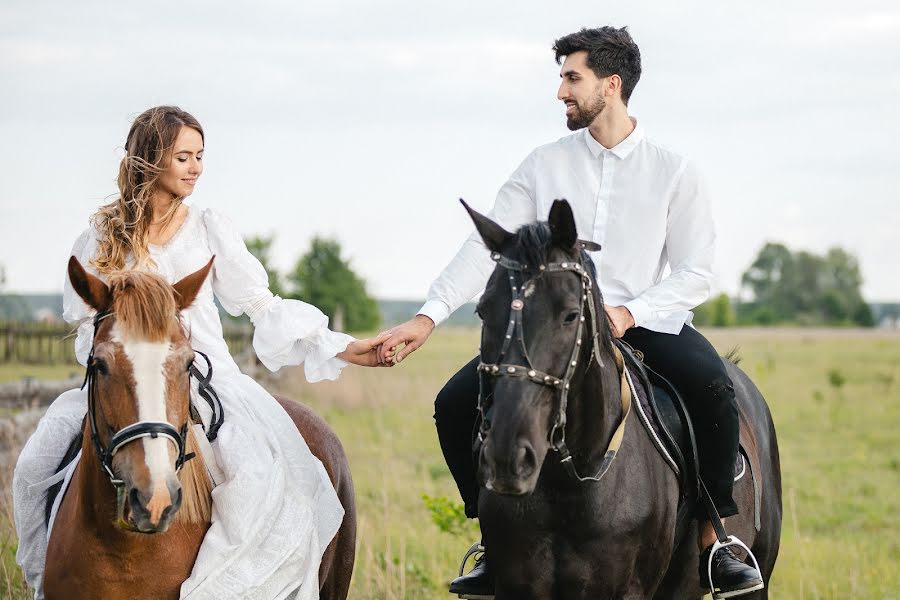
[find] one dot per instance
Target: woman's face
(186, 164)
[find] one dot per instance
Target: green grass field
(17, 371)
(835, 397)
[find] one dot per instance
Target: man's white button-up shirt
(646, 205)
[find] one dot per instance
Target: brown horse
(101, 544)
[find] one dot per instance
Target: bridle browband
(515, 330)
(140, 429)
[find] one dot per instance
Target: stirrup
(717, 545)
(475, 549)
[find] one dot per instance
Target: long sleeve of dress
(75, 311)
(287, 332)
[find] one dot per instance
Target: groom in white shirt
(648, 208)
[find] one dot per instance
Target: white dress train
(276, 510)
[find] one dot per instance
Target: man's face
(581, 91)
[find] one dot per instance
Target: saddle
(664, 416)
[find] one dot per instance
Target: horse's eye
(101, 366)
(188, 366)
(570, 318)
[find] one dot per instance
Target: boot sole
(717, 595)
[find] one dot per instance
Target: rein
(141, 429)
(516, 330)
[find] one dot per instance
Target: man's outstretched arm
(467, 273)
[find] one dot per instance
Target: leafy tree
(324, 279)
(842, 278)
(804, 288)
(715, 312)
(259, 246)
(722, 314)
(766, 277)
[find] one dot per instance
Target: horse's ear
(589, 245)
(94, 292)
(562, 225)
(186, 289)
(494, 236)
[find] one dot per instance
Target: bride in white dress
(274, 510)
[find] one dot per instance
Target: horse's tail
(196, 485)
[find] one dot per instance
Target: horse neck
(595, 409)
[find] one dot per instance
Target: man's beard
(584, 117)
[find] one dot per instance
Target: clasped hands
(392, 346)
(389, 347)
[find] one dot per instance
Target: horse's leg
(759, 430)
(681, 581)
(338, 559)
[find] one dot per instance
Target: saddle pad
(651, 420)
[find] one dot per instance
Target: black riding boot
(730, 575)
(477, 583)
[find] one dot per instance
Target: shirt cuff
(640, 311)
(435, 310)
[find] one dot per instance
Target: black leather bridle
(143, 429)
(516, 330)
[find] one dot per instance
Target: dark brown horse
(138, 537)
(563, 515)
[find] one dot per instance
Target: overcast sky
(367, 120)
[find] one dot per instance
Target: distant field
(17, 371)
(835, 397)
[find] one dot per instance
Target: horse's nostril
(176, 493)
(134, 497)
(526, 460)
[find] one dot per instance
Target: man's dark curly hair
(610, 51)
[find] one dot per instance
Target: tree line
(800, 288)
(781, 287)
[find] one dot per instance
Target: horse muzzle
(513, 472)
(151, 512)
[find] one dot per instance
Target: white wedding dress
(276, 510)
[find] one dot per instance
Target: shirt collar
(623, 148)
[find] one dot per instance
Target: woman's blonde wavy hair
(123, 225)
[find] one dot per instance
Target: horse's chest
(82, 566)
(566, 541)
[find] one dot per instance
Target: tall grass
(839, 449)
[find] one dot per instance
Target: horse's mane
(145, 309)
(144, 304)
(531, 245)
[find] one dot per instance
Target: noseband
(516, 330)
(135, 431)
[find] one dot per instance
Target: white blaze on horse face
(148, 361)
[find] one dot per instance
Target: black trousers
(687, 360)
